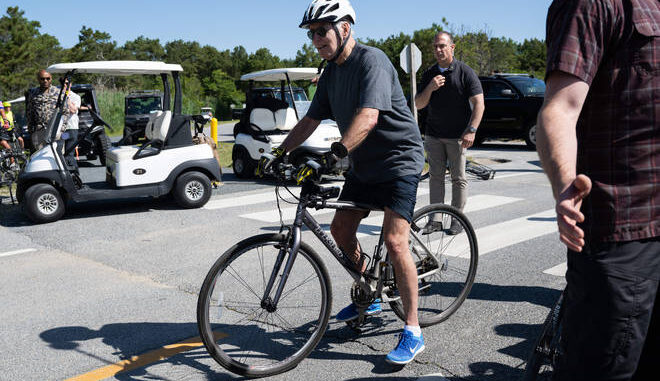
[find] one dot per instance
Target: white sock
(414, 329)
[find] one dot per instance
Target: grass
(224, 150)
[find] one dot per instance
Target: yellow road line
(144, 359)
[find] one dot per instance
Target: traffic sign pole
(410, 61)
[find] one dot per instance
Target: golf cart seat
(156, 131)
(283, 119)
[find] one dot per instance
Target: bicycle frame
(303, 217)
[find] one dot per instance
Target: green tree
(23, 51)
(531, 57)
(307, 57)
(144, 49)
(263, 59)
(221, 87)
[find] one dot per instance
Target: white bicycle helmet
(327, 10)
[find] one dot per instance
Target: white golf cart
(168, 162)
(270, 114)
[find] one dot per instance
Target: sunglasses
(45, 78)
(321, 32)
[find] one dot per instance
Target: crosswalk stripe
(16, 252)
(473, 204)
(290, 213)
(507, 233)
(559, 270)
(232, 201)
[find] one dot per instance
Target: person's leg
(651, 350)
(608, 311)
(456, 158)
(70, 144)
(411, 342)
(436, 155)
(343, 229)
(396, 232)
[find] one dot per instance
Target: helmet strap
(340, 41)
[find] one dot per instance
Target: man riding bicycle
(6, 130)
(359, 88)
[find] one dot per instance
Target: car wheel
(242, 163)
(530, 136)
(192, 190)
(101, 145)
(43, 203)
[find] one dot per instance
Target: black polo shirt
(448, 111)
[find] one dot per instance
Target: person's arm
(364, 121)
(478, 108)
(300, 132)
(556, 143)
(422, 98)
(5, 121)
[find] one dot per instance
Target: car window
(529, 86)
(141, 106)
(494, 89)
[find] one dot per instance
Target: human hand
(568, 212)
(268, 160)
(468, 139)
(437, 82)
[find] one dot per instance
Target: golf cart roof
(116, 67)
(294, 74)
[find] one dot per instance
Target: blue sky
(273, 24)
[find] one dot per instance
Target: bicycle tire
(441, 293)
(248, 340)
(546, 351)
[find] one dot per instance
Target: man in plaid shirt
(599, 142)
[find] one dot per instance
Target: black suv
(512, 104)
(137, 106)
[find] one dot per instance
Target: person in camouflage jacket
(41, 104)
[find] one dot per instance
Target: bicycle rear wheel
(446, 264)
(243, 334)
(546, 351)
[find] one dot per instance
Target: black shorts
(399, 194)
(5, 135)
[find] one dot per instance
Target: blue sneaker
(350, 312)
(407, 348)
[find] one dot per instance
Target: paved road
(111, 290)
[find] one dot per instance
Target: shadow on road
(130, 339)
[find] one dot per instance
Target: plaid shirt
(614, 46)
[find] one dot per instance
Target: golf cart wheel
(43, 203)
(192, 190)
(530, 136)
(242, 163)
(101, 146)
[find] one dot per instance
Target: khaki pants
(440, 153)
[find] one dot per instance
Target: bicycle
(11, 163)
(266, 302)
(547, 349)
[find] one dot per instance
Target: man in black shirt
(455, 101)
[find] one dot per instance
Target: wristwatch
(471, 129)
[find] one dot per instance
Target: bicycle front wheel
(547, 350)
(446, 262)
(240, 329)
